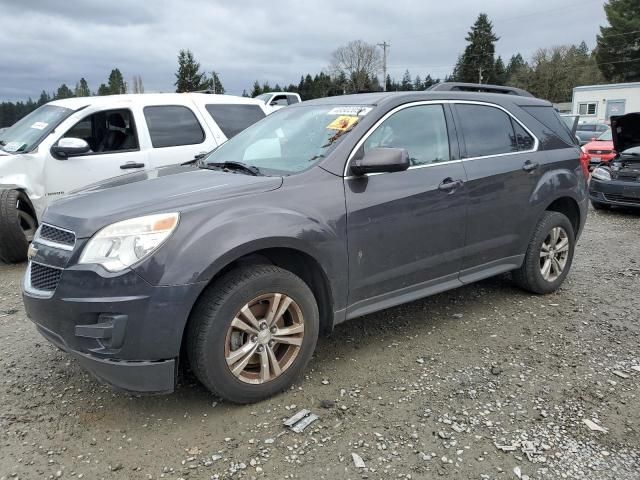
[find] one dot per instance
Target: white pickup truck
(68, 144)
(277, 100)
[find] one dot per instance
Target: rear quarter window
(548, 117)
(232, 119)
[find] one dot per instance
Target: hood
(167, 189)
(625, 130)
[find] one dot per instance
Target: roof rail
(478, 87)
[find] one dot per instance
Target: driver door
(115, 150)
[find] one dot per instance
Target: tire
(530, 275)
(17, 226)
(212, 341)
(600, 206)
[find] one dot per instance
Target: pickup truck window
(232, 119)
(107, 131)
(173, 125)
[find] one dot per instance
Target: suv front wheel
(549, 255)
(252, 333)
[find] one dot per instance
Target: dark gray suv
(322, 212)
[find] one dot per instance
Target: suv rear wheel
(18, 225)
(252, 333)
(549, 255)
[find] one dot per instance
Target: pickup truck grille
(57, 235)
(44, 277)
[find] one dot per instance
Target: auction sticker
(355, 110)
(40, 125)
(343, 122)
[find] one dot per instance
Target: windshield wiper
(231, 165)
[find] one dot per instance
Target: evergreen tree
(116, 83)
(500, 72)
(82, 89)
(189, 78)
(618, 47)
(63, 92)
(44, 98)
(103, 90)
(428, 81)
(256, 89)
(417, 83)
(389, 83)
(266, 88)
(245, 94)
(515, 64)
(216, 84)
(477, 62)
(406, 84)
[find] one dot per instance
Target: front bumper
(120, 328)
(615, 192)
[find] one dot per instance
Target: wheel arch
(569, 207)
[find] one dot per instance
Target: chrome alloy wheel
(264, 338)
(554, 254)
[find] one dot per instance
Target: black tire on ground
(529, 276)
(15, 218)
(216, 309)
(600, 206)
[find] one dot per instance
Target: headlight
(601, 174)
(122, 244)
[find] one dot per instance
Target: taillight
(585, 158)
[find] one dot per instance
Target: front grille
(57, 235)
(44, 278)
(621, 198)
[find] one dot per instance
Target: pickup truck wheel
(18, 225)
(549, 255)
(252, 333)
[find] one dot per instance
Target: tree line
(550, 73)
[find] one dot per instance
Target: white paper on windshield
(13, 146)
(40, 125)
(350, 111)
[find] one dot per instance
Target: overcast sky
(44, 43)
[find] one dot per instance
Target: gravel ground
(482, 382)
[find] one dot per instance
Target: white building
(596, 103)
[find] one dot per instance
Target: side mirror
(381, 160)
(69, 146)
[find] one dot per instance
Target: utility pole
(384, 46)
(214, 74)
(480, 74)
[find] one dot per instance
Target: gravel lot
(481, 382)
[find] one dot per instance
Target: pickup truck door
(112, 135)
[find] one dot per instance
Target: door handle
(450, 185)
(530, 166)
(128, 165)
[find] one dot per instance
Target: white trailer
(596, 103)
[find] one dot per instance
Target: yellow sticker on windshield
(343, 122)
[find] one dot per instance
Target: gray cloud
(45, 43)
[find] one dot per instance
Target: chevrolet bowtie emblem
(32, 252)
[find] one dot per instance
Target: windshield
(606, 136)
(290, 140)
(264, 97)
(27, 133)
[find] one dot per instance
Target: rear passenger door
(502, 168)
(176, 133)
(406, 230)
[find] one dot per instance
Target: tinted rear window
(232, 119)
(172, 125)
(550, 119)
(486, 130)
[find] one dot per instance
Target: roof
(151, 98)
(607, 86)
(378, 98)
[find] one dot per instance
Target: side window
(486, 130)
(107, 131)
(172, 125)
(523, 139)
(548, 117)
(232, 119)
(280, 101)
(422, 130)
(292, 99)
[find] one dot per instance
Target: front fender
(24, 172)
